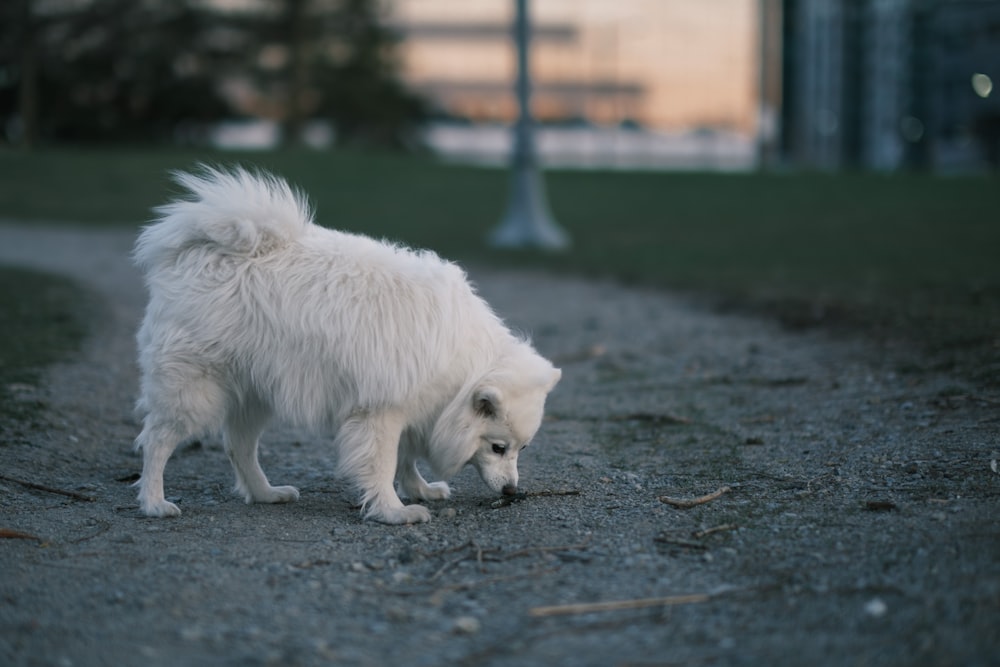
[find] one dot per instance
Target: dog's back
(317, 322)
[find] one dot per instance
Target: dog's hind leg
(181, 403)
(368, 445)
(242, 431)
(157, 443)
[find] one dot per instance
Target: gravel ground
(860, 525)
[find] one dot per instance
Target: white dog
(254, 312)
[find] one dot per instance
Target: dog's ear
(486, 402)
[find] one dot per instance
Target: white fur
(255, 312)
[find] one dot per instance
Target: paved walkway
(859, 525)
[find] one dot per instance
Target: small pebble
(466, 625)
(876, 608)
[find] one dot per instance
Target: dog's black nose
(510, 490)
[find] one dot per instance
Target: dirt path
(860, 526)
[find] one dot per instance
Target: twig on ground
(557, 492)
(518, 497)
(7, 533)
(49, 489)
(687, 503)
(478, 554)
(102, 527)
(447, 550)
(678, 542)
(617, 605)
(447, 566)
(699, 534)
(541, 550)
(473, 550)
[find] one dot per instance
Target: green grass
(909, 255)
(814, 231)
(822, 232)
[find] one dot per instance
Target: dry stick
(49, 489)
(17, 535)
(678, 542)
(481, 552)
(686, 503)
(103, 527)
(617, 605)
(531, 550)
(447, 566)
(447, 550)
(717, 529)
(550, 492)
(455, 561)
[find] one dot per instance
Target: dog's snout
(510, 490)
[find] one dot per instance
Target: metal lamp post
(527, 222)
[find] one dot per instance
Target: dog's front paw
(436, 491)
(160, 508)
(401, 515)
(276, 494)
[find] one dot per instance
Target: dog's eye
(499, 449)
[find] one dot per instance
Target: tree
(164, 70)
(335, 59)
(119, 70)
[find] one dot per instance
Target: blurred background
(636, 84)
(831, 162)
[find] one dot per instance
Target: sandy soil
(861, 523)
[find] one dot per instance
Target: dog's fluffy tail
(237, 211)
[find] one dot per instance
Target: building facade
(888, 84)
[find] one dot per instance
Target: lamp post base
(527, 222)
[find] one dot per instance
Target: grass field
(909, 255)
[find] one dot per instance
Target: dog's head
(488, 425)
